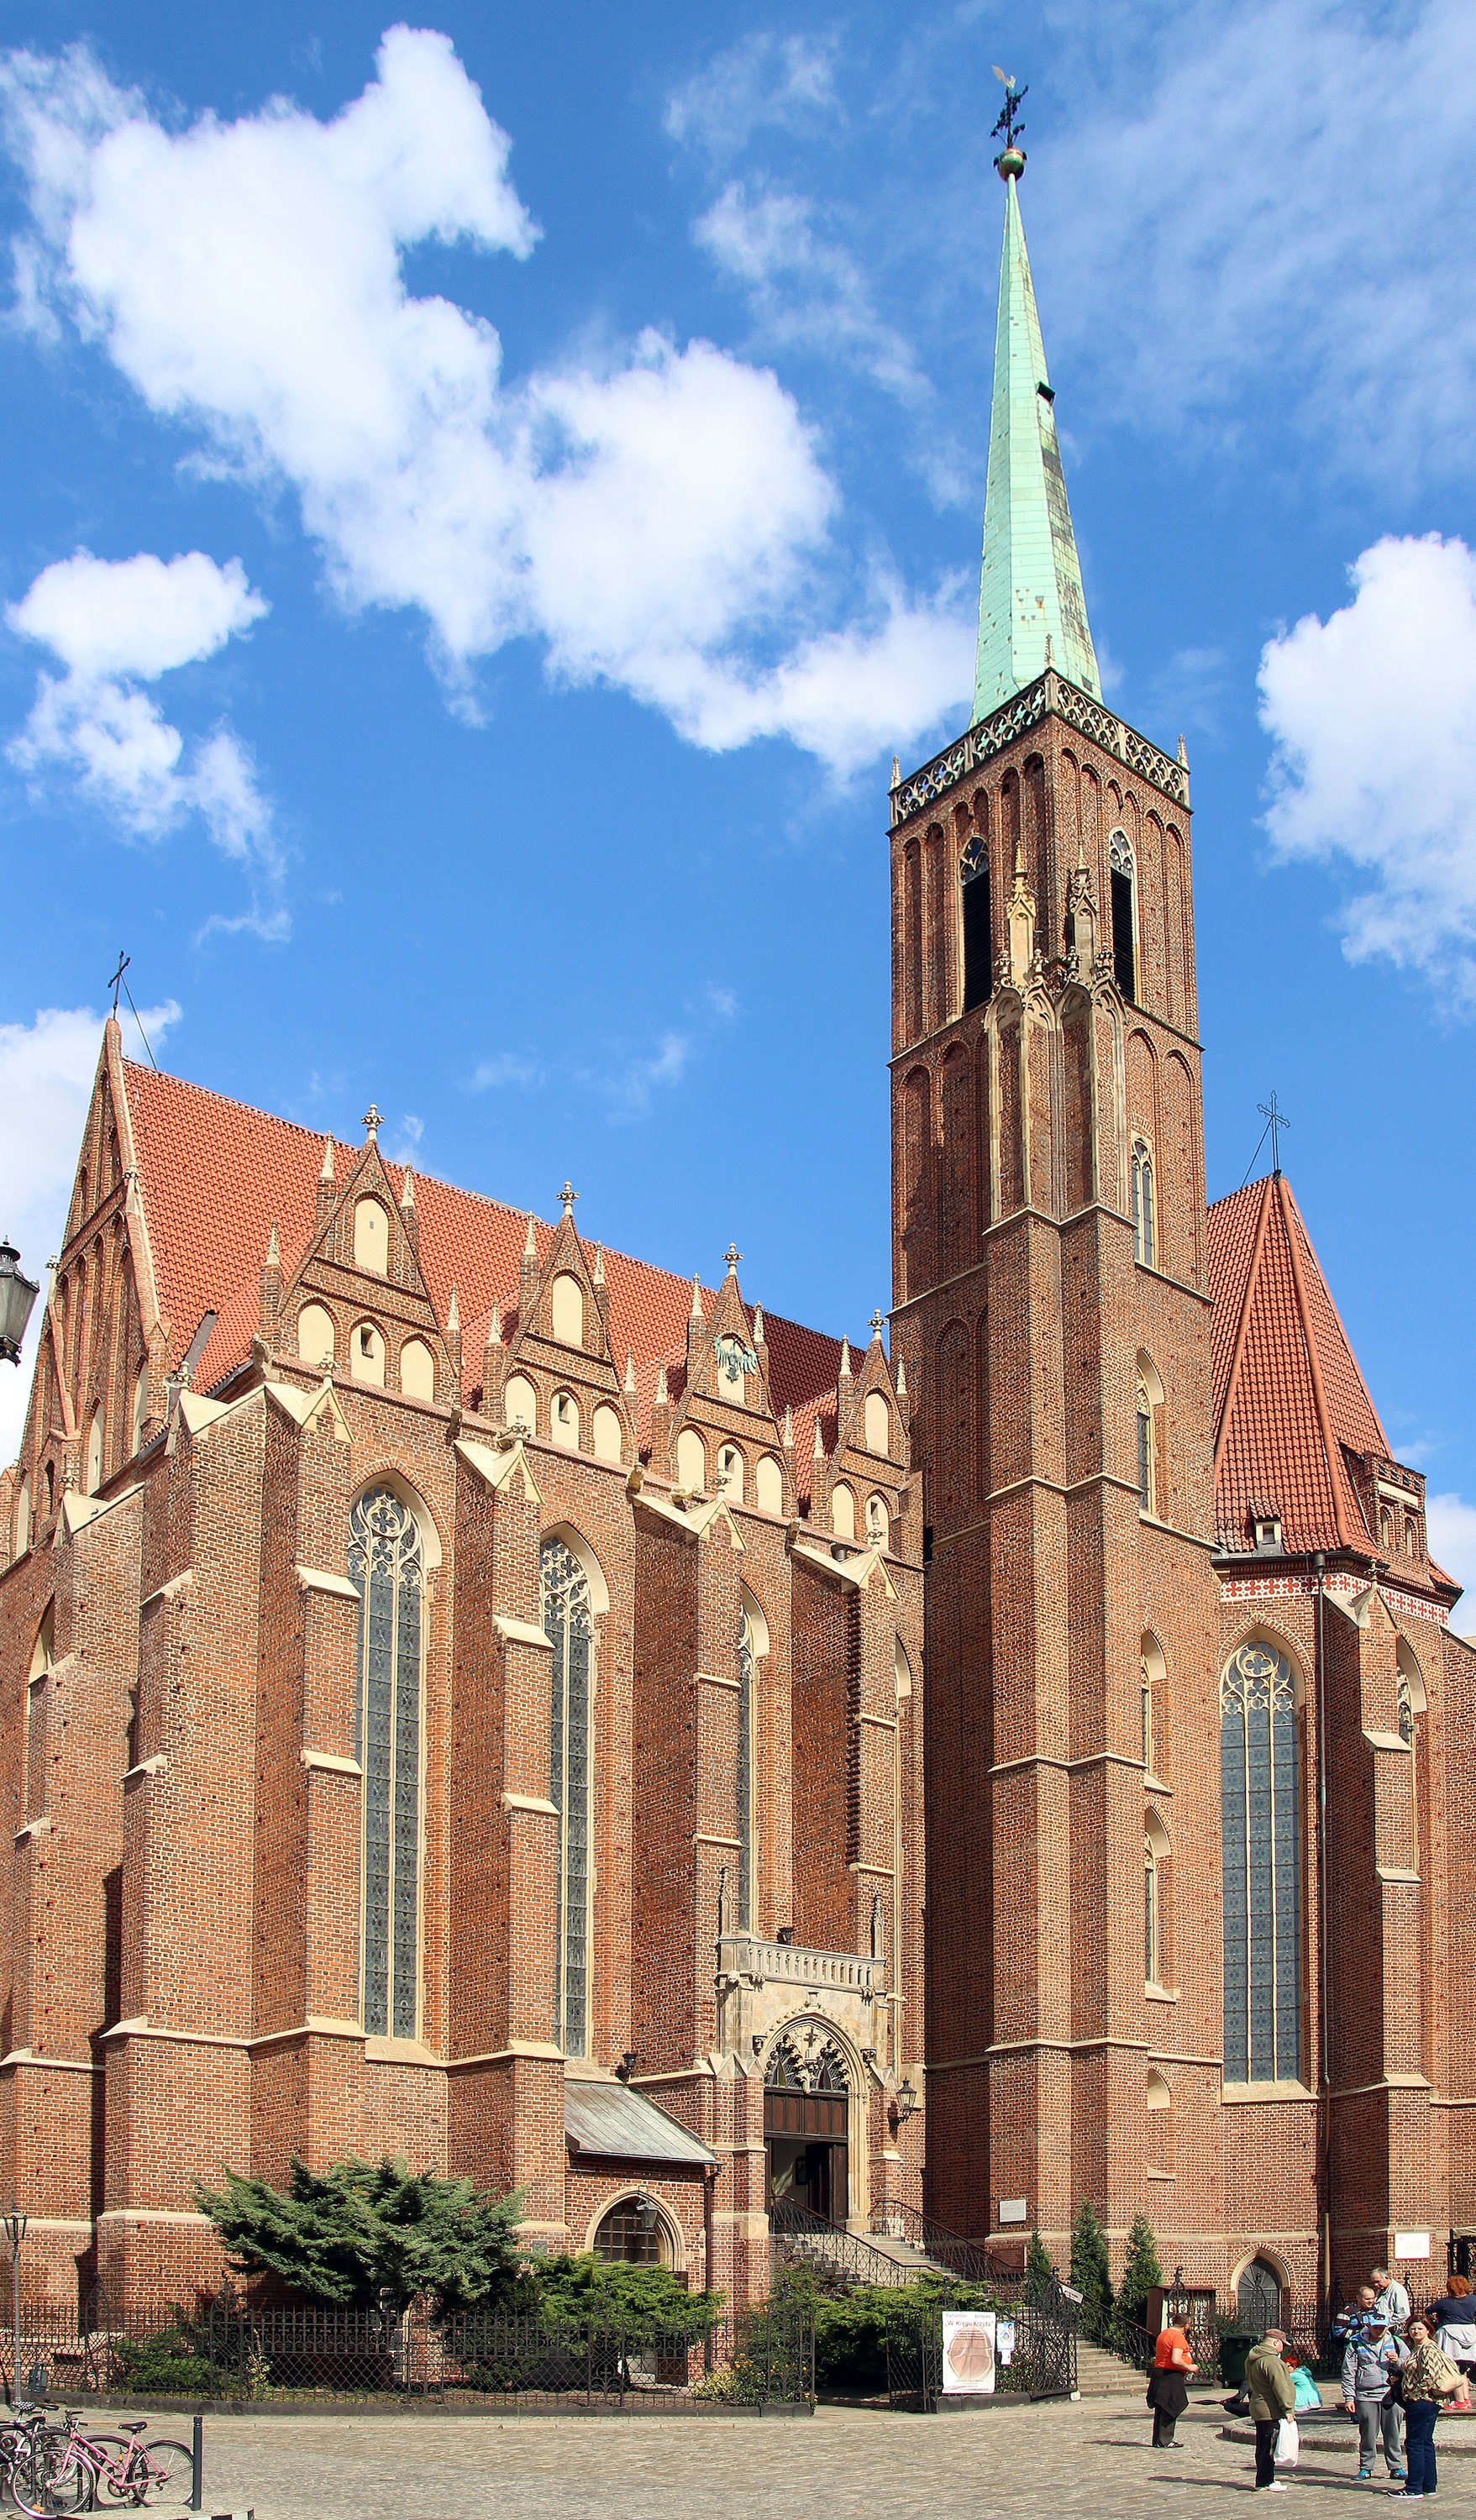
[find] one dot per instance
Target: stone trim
(331, 1763)
(316, 1579)
(521, 1632)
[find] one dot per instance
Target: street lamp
(12, 2225)
(17, 1296)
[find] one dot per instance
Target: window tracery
(568, 1624)
(1262, 1856)
(806, 2060)
(386, 1566)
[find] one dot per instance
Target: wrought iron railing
(226, 2351)
(973, 2262)
(801, 2237)
(1042, 2356)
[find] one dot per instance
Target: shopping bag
(1288, 2448)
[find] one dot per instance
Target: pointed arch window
(746, 1712)
(1152, 1969)
(974, 909)
(386, 1565)
(569, 1627)
(1260, 1828)
(1146, 1463)
(1145, 1229)
(1123, 875)
(1411, 1703)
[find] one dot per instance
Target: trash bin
(1234, 2351)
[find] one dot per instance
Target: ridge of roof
(215, 1174)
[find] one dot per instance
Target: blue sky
(579, 416)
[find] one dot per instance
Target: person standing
(1427, 2378)
(1353, 2321)
(1269, 2388)
(1389, 2296)
(1370, 2364)
(1454, 2320)
(1174, 2367)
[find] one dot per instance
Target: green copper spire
(1030, 586)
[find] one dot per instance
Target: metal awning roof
(615, 2122)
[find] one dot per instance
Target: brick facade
(183, 1752)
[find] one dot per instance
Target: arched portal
(807, 2103)
(1258, 2297)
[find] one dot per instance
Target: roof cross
(1275, 1121)
(117, 981)
(371, 1119)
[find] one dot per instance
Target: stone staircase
(1100, 2374)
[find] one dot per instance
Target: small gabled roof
(1288, 1396)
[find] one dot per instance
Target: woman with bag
(1425, 2380)
(1174, 2367)
(1454, 2320)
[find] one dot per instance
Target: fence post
(198, 2480)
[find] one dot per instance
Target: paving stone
(1035, 2464)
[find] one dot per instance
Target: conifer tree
(1140, 2273)
(365, 2234)
(1038, 2271)
(1090, 2272)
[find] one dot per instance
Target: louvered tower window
(978, 949)
(1124, 876)
(1261, 1824)
(386, 1565)
(569, 1629)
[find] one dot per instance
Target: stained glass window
(1143, 1205)
(1262, 1832)
(745, 1775)
(1124, 883)
(979, 944)
(568, 1626)
(386, 1565)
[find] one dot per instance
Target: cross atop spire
(1030, 585)
(878, 1323)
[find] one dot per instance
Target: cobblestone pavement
(1034, 2463)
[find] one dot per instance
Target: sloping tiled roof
(1287, 1392)
(215, 1175)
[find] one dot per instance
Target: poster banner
(969, 2353)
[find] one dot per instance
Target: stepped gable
(216, 1175)
(1288, 1396)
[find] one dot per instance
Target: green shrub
(572, 2295)
(1140, 2273)
(851, 2331)
(1091, 2273)
(166, 2367)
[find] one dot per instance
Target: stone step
(1100, 2374)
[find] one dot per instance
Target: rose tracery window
(385, 1563)
(1262, 1856)
(569, 1627)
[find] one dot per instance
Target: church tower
(1052, 1313)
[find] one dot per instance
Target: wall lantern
(17, 1296)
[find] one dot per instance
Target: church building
(469, 1693)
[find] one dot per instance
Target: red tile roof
(215, 1175)
(1287, 1392)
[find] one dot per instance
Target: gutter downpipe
(1325, 2078)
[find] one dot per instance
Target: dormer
(558, 1380)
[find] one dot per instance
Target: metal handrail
(967, 2259)
(850, 2256)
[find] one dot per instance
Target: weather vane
(1012, 130)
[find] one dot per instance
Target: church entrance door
(809, 2163)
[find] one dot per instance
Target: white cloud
(766, 81)
(136, 617)
(628, 1090)
(1275, 195)
(46, 1073)
(654, 524)
(114, 624)
(806, 293)
(1373, 715)
(1453, 1544)
(506, 1069)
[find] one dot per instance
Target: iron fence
(223, 2352)
(1041, 2359)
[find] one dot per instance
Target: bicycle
(37, 2467)
(70, 2470)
